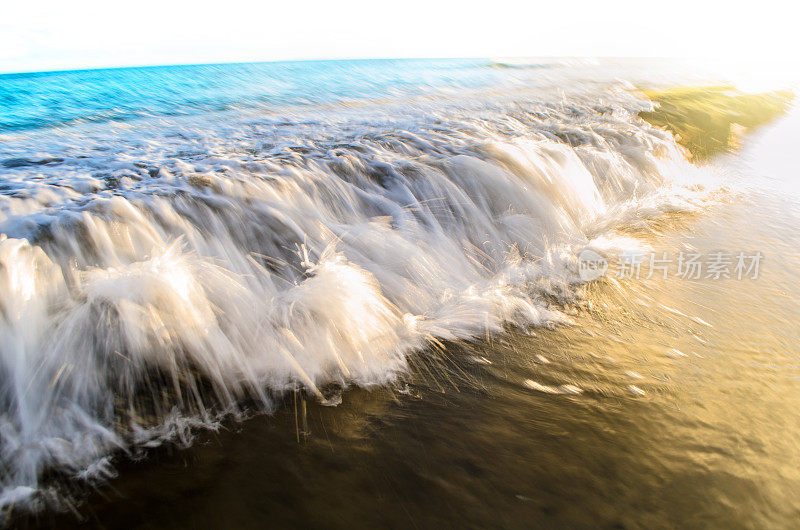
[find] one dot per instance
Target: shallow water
(687, 415)
(412, 264)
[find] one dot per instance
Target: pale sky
(49, 35)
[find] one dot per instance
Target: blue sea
(47, 99)
(350, 293)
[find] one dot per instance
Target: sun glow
(55, 35)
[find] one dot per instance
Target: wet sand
(681, 411)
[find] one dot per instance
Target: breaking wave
(156, 279)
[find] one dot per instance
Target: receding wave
(159, 282)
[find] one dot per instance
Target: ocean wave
(158, 276)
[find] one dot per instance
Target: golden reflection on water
(667, 403)
(686, 415)
(710, 120)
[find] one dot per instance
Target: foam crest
(155, 289)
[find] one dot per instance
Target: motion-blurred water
(48, 99)
(182, 244)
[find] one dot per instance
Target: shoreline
(709, 120)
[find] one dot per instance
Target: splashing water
(158, 274)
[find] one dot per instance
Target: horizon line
(333, 59)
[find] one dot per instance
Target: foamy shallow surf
(158, 274)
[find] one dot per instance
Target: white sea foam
(153, 279)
